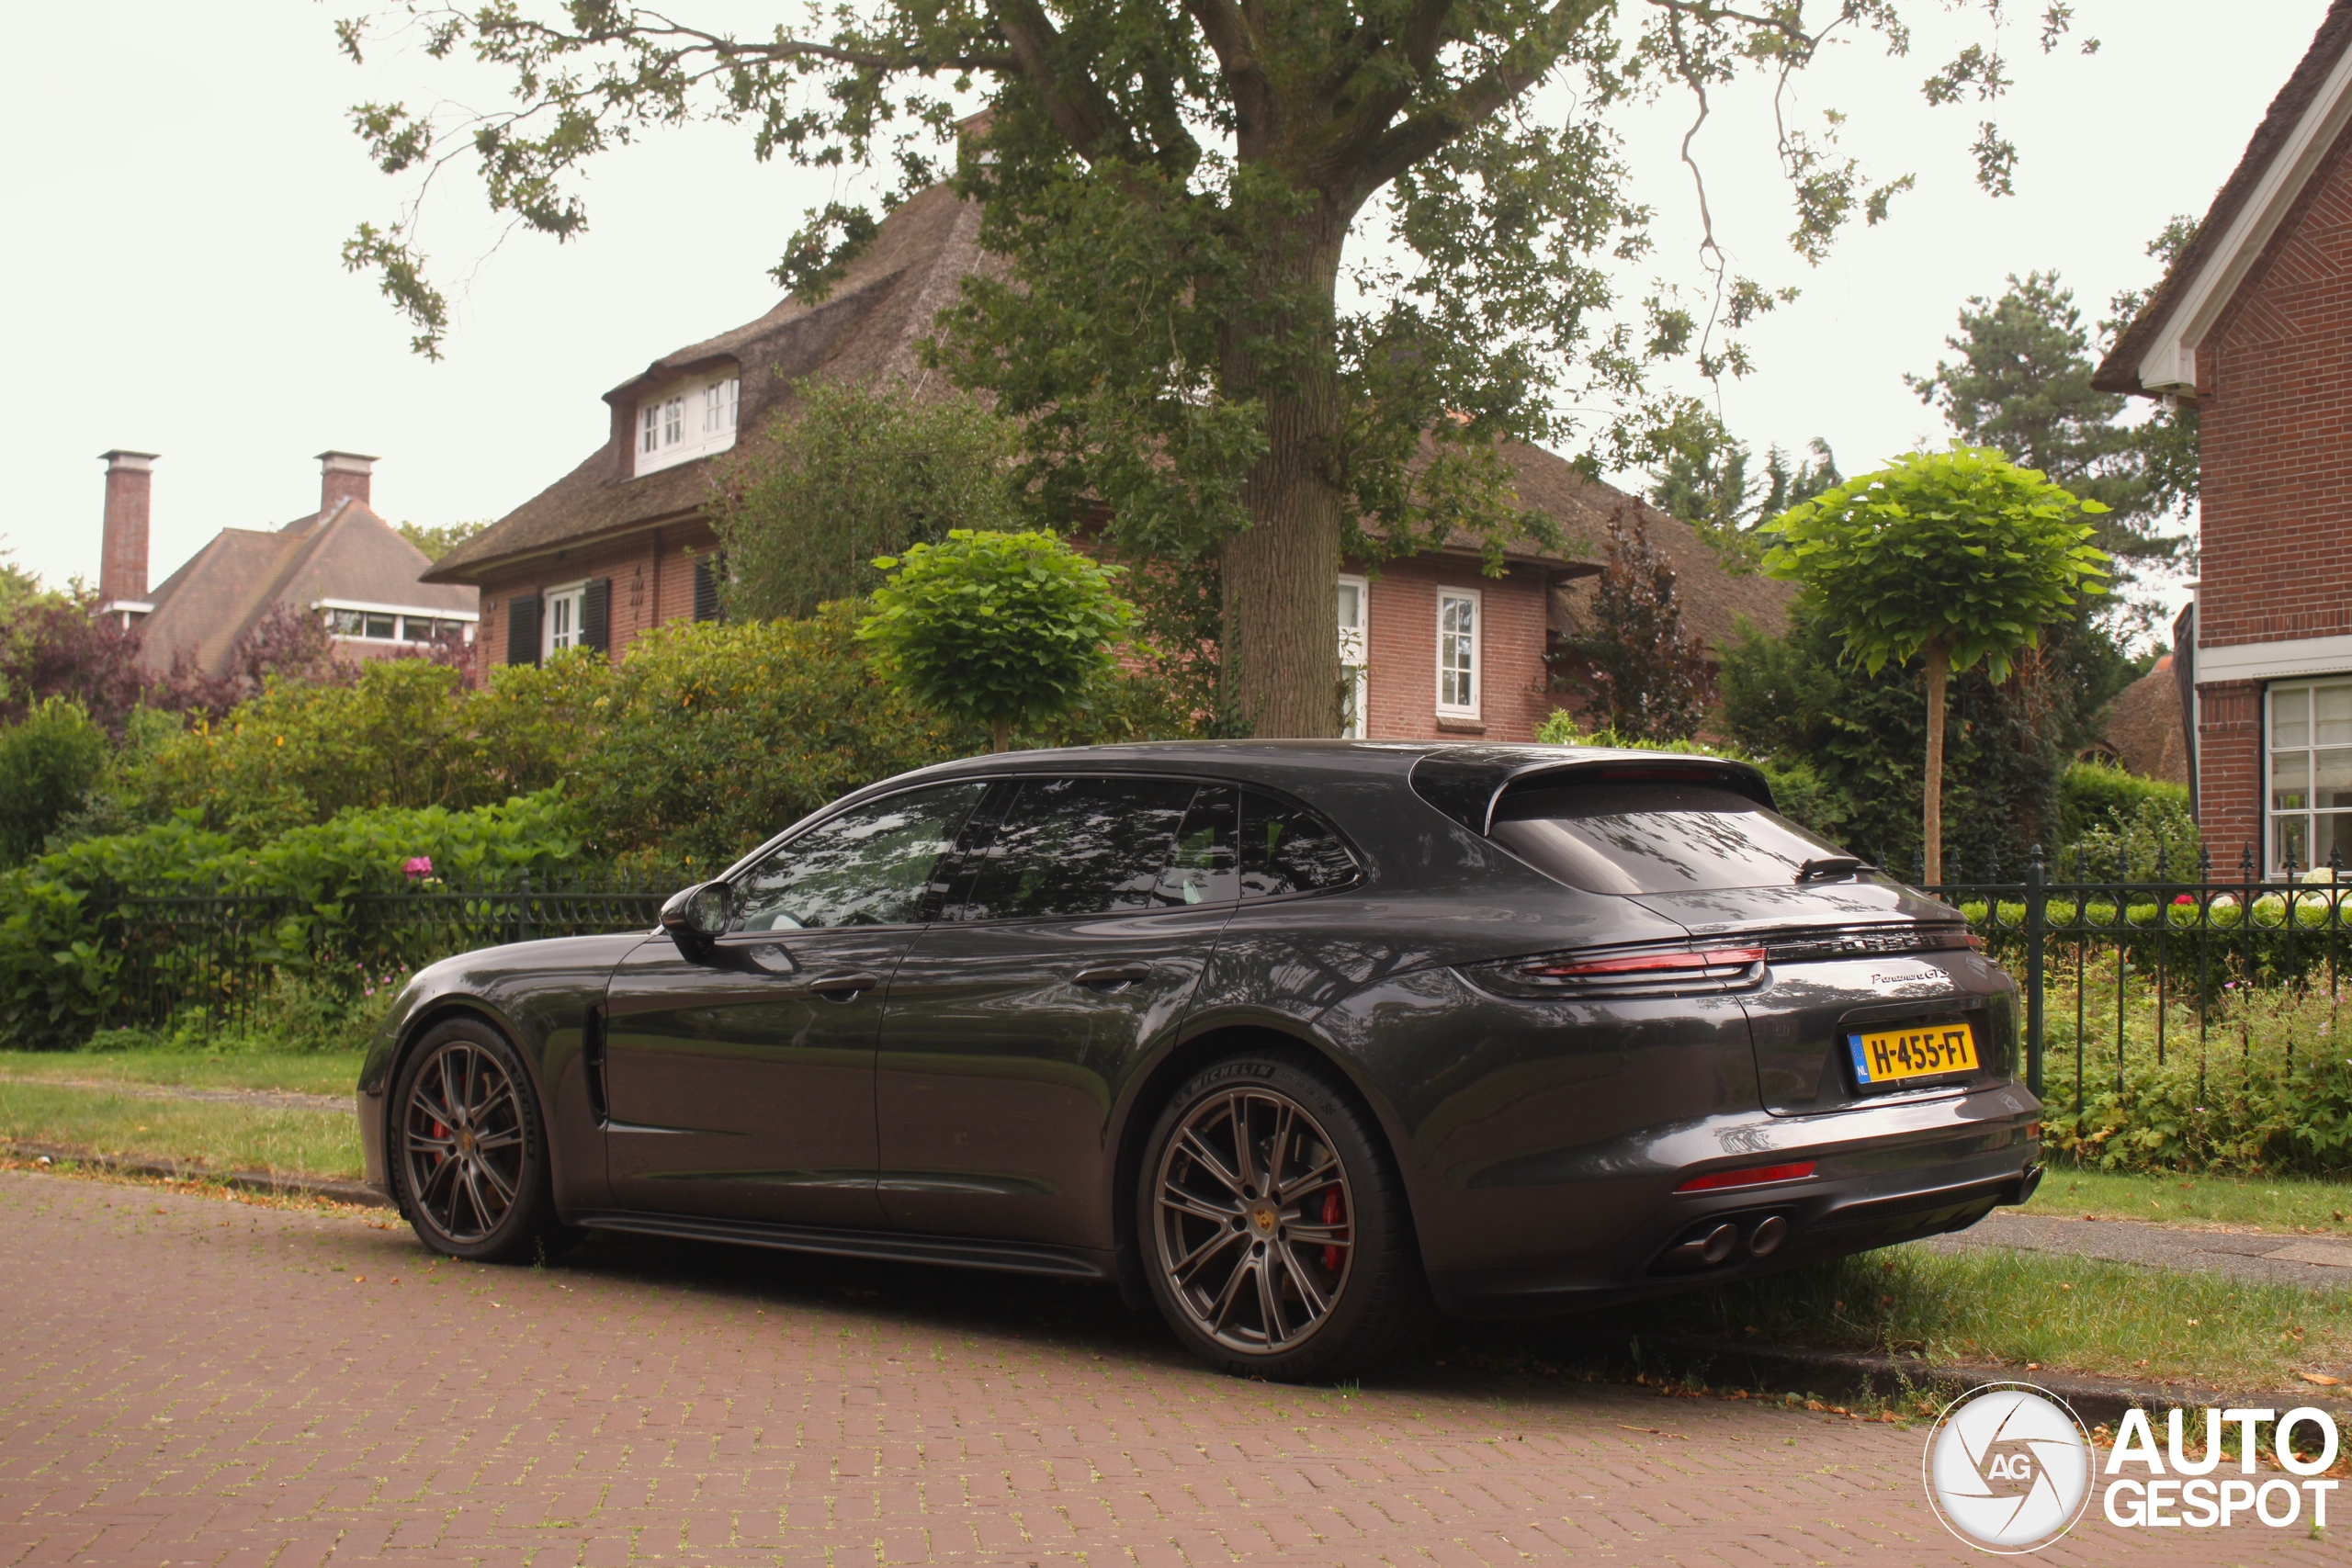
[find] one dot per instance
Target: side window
(1288, 849)
(869, 866)
(1203, 869)
(1093, 846)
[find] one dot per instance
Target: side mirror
(695, 915)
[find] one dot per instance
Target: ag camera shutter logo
(2007, 1468)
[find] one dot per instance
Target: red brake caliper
(1335, 1210)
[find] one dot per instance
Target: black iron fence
(2126, 967)
(209, 959)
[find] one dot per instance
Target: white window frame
(1354, 639)
(328, 608)
(571, 598)
(1476, 602)
(2274, 817)
(686, 420)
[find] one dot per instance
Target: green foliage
(855, 473)
(2168, 438)
(59, 956)
(996, 628)
(1702, 477)
(715, 735)
(47, 763)
(2022, 385)
(440, 538)
(1962, 549)
(2095, 795)
(2264, 1090)
(1795, 697)
(2153, 839)
(1170, 193)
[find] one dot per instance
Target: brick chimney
(343, 476)
(122, 550)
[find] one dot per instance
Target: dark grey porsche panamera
(1298, 1040)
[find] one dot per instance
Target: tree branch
(1075, 101)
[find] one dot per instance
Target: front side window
(1457, 652)
(869, 866)
(559, 624)
(1355, 602)
(347, 623)
(1654, 836)
(2310, 774)
(1098, 846)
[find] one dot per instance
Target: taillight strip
(1754, 1175)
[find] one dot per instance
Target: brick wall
(1401, 652)
(2275, 400)
(653, 576)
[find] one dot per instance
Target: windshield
(1654, 837)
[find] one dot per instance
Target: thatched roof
(2145, 727)
(2119, 372)
(223, 591)
(866, 333)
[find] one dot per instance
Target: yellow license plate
(1891, 1055)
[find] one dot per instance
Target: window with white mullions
(1355, 596)
(559, 621)
(1457, 652)
(685, 420)
(2310, 774)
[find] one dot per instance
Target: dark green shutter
(523, 629)
(706, 570)
(596, 615)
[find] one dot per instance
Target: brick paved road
(189, 1380)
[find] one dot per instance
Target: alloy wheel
(1251, 1216)
(462, 1141)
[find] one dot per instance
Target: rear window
(1652, 837)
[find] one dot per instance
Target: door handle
(844, 984)
(1109, 975)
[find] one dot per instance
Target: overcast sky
(181, 184)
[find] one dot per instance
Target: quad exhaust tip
(1717, 1245)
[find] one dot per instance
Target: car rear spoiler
(1466, 783)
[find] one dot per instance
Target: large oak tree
(1173, 188)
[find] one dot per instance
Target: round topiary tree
(1005, 628)
(1957, 557)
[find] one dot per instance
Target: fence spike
(2245, 862)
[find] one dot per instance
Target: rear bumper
(1627, 1237)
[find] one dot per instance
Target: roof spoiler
(1467, 782)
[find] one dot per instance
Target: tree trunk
(1000, 734)
(1281, 639)
(1939, 662)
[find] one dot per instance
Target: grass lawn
(2276, 1203)
(2019, 1307)
(222, 1135)
(305, 1072)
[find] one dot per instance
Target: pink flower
(418, 866)
(2183, 898)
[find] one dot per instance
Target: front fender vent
(1654, 972)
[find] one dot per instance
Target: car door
(1072, 946)
(739, 1082)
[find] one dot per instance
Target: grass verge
(2021, 1309)
(301, 1072)
(2287, 1204)
(219, 1135)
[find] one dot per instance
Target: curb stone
(2099, 1401)
(270, 1182)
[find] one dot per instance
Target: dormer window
(686, 421)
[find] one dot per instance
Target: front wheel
(1273, 1227)
(469, 1154)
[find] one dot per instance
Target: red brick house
(620, 543)
(342, 563)
(2254, 325)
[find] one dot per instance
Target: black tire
(467, 1149)
(1316, 1236)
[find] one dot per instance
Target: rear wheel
(469, 1157)
(1275, 1230)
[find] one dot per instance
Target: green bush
(47, 762)
(61, 955)
(2093, 795)
(2265, 1089)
